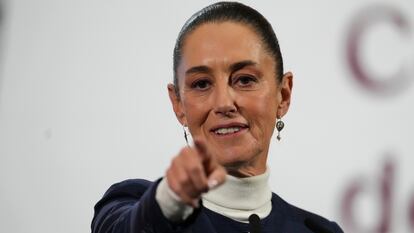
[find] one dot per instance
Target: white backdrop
(83, 104)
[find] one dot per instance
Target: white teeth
(227, 130)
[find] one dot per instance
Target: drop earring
(279, 126)
(185, 134)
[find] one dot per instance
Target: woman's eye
(201, 84)
(245, 80)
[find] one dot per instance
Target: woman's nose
(224, 103)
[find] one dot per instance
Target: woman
(230, 91)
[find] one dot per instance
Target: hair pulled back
(233, 12)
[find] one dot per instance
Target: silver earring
(185, 134)
(279, 126)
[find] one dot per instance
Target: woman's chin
(239, 156)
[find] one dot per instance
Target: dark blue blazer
(130, 207)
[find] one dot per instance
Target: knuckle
(185, 150)
(194, 169)
(182, 180)
(177, 189)
(174, 161)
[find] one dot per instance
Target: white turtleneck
(237, 199)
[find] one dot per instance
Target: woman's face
(228, 95)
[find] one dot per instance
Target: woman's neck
(238, 198)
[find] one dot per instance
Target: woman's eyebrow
(240, 65)
(233, 67)
(198, 69)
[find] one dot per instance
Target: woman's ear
(176, 104)
(285, 92)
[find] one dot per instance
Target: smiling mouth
(228, 130)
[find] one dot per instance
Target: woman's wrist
(170, 204)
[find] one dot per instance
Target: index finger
(209, 162)
(202, 150)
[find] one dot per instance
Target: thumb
(216, 177)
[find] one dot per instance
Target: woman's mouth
(229, 129)
(224, 131)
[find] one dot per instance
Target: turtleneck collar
(238, 198)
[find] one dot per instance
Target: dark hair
(235, 12)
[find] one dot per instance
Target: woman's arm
(134, 205)
(130, 206)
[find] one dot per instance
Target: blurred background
(83, 104)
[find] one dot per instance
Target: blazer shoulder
(135, 186)
(127, 189)
(130, 187)
(300, 216)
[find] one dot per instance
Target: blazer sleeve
(337, 228)
(130, 207)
